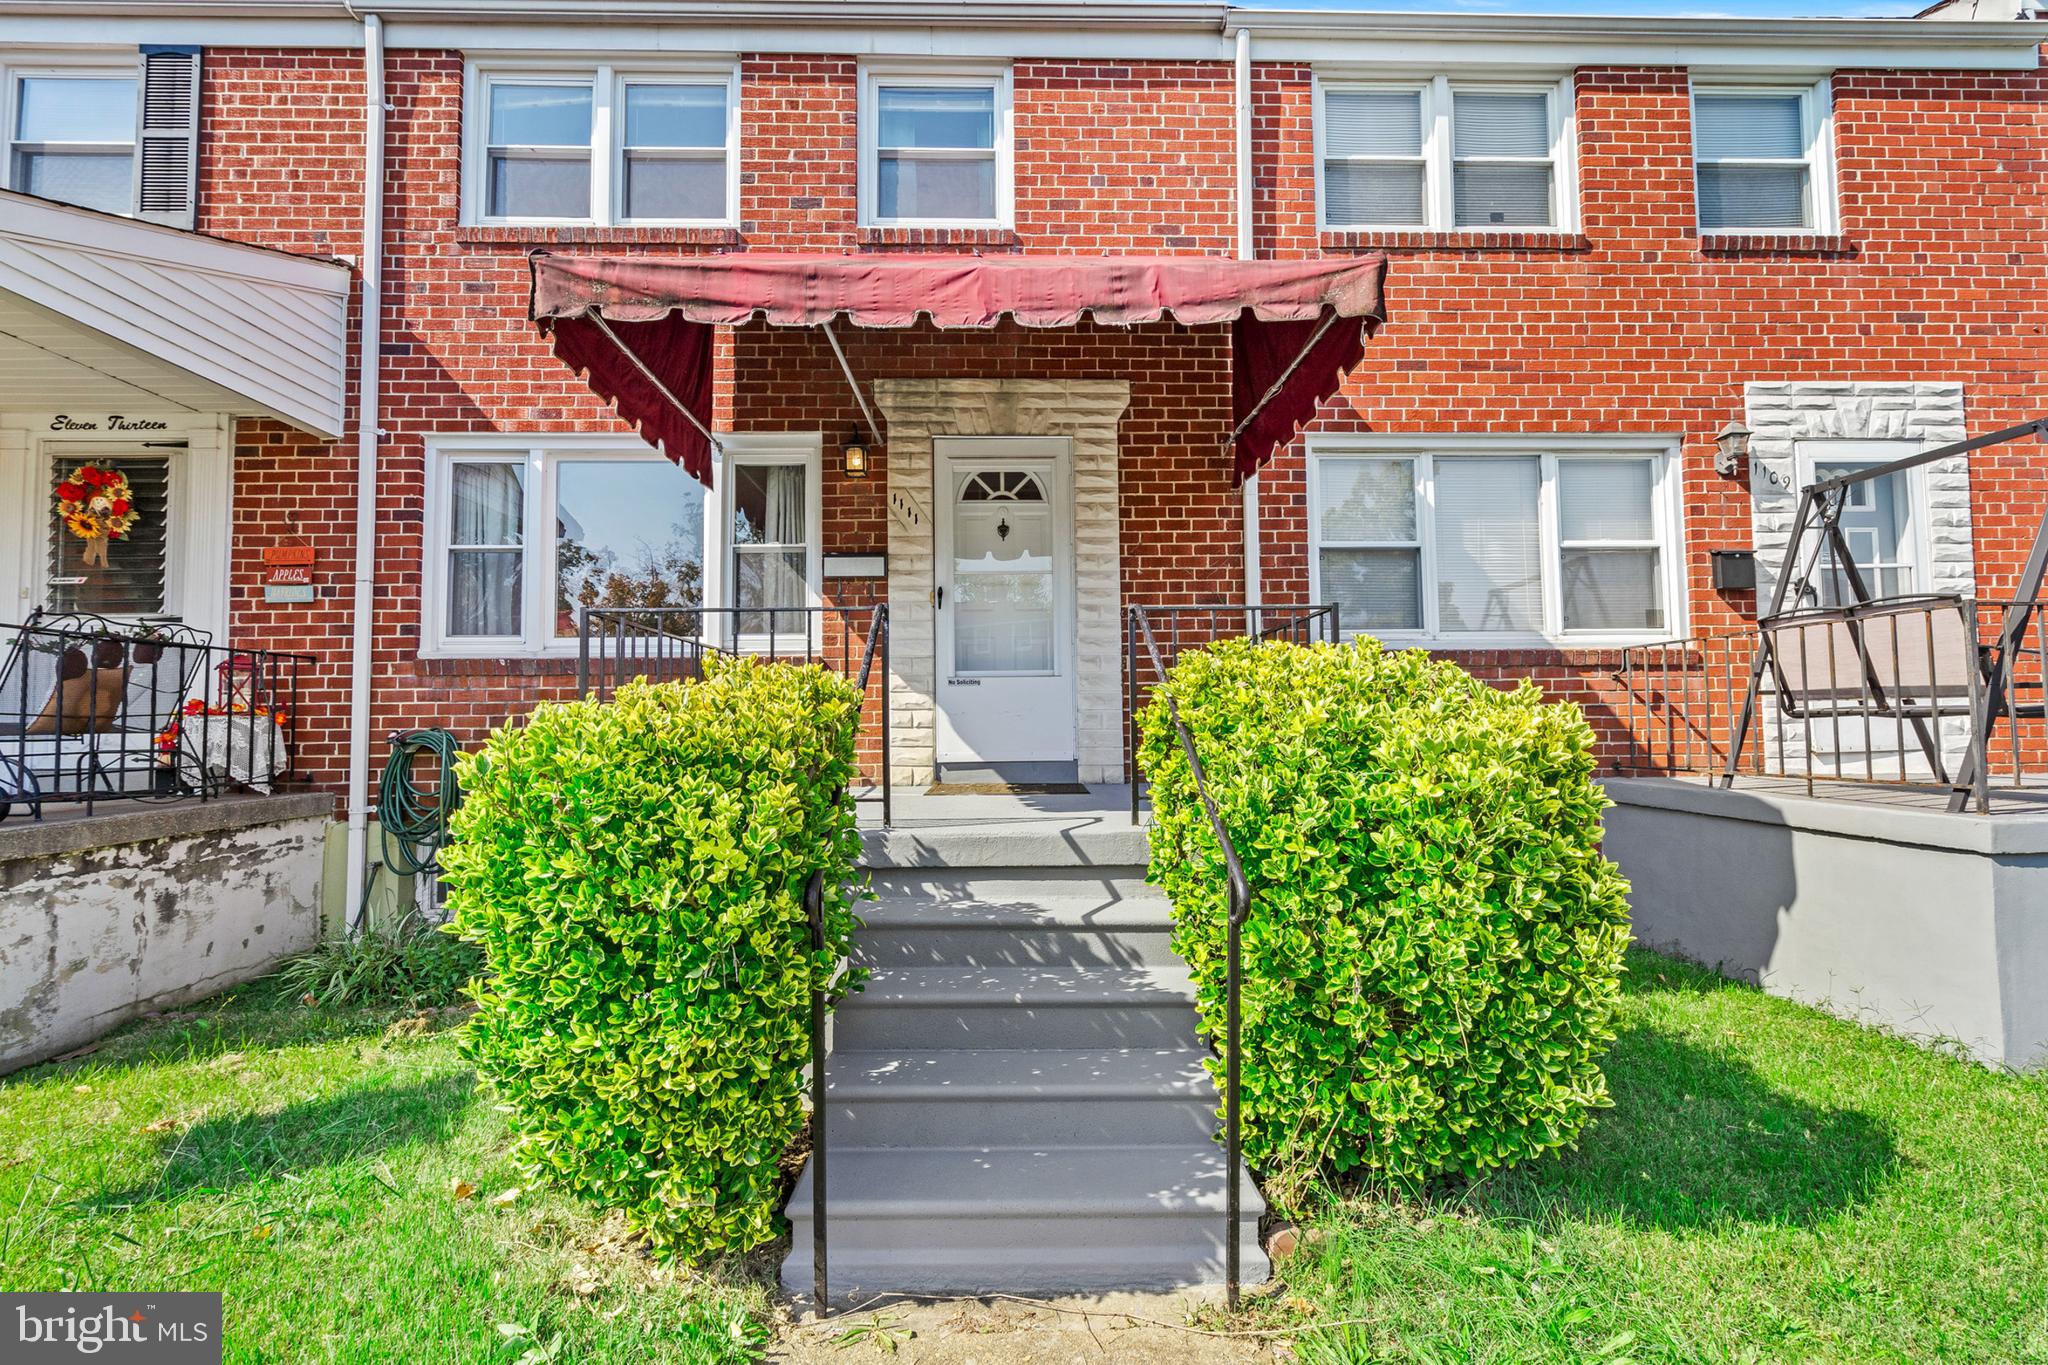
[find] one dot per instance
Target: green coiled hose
(414, 815)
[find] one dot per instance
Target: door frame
(1054, 454)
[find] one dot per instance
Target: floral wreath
(97, 506)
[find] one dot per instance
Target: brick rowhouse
(1631, 322)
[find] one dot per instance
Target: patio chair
(82, 701)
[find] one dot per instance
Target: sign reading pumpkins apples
(97, 506)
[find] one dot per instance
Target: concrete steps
(1017, 1101)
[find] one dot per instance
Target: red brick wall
(1631, 327)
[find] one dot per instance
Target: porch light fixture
(1733, 443)
(854, 454)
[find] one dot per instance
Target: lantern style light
(1733, 443)
(854, 455)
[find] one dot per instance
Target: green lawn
(305, 1163)
(1770, 1185)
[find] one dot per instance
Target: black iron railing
(94, 709)
(1188, 627)
(1191, 625)
(615, 645)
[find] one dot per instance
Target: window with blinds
(1758, 159)
(132, 582)
(1493, 547)
(1436, 155)
(120, 137)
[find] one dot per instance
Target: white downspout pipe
(369, 347)
(1247, 249)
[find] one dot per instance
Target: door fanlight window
(1003, 485)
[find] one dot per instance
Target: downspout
(370, 337)
(1247, 250)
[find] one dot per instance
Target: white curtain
(785, 505)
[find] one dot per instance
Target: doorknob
(939, 599)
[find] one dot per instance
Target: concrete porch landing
(1094, 829)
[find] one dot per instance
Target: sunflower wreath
(97, 506)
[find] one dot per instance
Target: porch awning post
(867, 413)
(597, 317)
(1273, 390)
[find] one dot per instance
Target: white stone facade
(1086, 412)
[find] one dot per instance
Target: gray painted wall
(1930, 924)
(102, 919)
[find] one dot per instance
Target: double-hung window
(71, 137)
(603, 147)
(1442, 155)
(935, 148)
(524, 535)
(1489, 543)
(1761, 158)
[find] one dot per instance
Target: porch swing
(1909, 661)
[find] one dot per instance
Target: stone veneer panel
(1087, 413)
(1928, 414)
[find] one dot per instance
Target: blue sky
(1862, 9)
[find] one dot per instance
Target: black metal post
(814, 908)
(1240, 906)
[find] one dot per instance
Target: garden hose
(412, 816)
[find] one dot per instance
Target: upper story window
(116, 132)
(1483, 543)
(935, 148)
(1442, 155)
(1762, 158)
(604, 147)
(73, 138)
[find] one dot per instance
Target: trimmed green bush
(634, 872)
(1433, 958)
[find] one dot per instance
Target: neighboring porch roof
(98, 309)
(639, 328)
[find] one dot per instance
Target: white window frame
(607, 151)
(1817, 131)
(996, 78)
(540, 454)
(95, 66)
(1439, 113)
(1916, 543)
(1549, 451)
(806, 449)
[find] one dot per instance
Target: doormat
(1007, 789)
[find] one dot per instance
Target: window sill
(537, 234)
(1776, 244)
(1503, 651)
(443, 665)
(1419, 239)
(940, 237)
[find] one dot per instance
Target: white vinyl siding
(1762, 161)
(603, 146)
(1485, 543)
(1441, 155)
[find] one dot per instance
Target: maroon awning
(638, 328)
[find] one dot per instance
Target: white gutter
(1247, 249)
(370, 347)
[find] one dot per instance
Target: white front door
(1004, 594)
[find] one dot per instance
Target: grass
(1771, 1184)
(306, 1164)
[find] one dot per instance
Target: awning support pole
(1329, 321)
(655, 379)
(867, 413)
